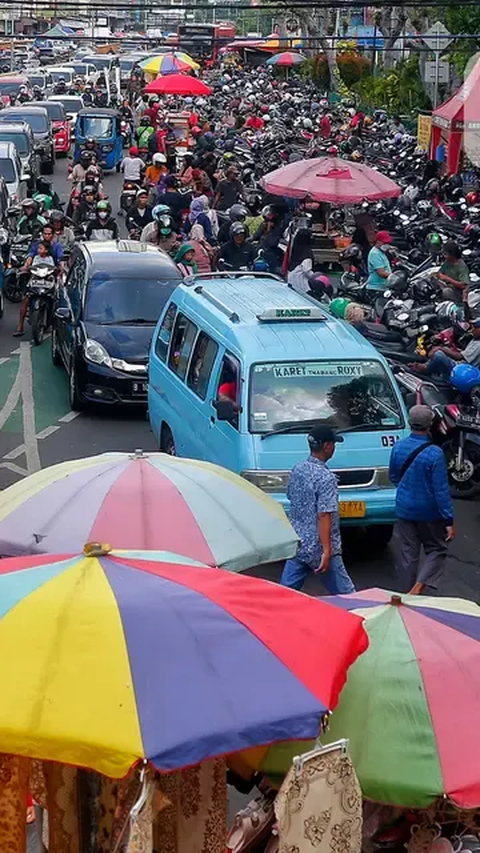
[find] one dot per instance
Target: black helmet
(44, 186)
(89, 189)
(30, 202)
(90, 143)
(57, 216)
(237, 228)
(145, 121)
(85, 159)
(237, 213)
(397, 281)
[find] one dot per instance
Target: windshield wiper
(292, 426)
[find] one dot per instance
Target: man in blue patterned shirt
(313, 495)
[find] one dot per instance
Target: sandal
(252, 825)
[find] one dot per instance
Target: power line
(346, 5)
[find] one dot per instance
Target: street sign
(437, 38)
(443, 71)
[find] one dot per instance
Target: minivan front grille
(355, 477)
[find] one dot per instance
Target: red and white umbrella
(330, 179)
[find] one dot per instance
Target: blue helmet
(464, 377)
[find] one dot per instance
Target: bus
(203, 41)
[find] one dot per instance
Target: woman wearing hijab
(185, 260)
(198, 216)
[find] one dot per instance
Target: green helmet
(434, 240)
(338, 306)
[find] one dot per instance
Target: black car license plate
(139, 388)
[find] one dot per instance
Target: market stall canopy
(411, 705)
(330, 179)
(149, 502)
(173, 62)
(462, 110)
(113, 657)
(177, 84)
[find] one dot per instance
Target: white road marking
(16, 351)
(47, 431)
(12, 399)
(16, 452)
(69, 417)
(4, 360)
(29, 431)
(15, 468)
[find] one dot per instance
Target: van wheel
(167, 443)
(379, 536)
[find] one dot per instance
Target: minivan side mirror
(64, 315)
(226, 409)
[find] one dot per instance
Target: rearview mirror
(226, 410)
(64, 315)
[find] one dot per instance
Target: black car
(38, 119)
(105, 315)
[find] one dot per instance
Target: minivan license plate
(139, 387)
(352, 509)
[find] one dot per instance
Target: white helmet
(159, 158)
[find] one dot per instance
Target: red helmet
(264, 109)
(196, 131)
(133, 151)
(333, 150)
(472, 197)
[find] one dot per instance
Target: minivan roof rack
(232, 315)
(191, 280)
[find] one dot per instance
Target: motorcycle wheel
(466, 482)
(38, 321)
(13, 289)
(2, 304)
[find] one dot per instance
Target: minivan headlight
(383, 479)
(268, 481)
(96, 353)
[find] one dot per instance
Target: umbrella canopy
(147, 502)
(116, 657)
(286, 60)
(411, 704)
(330, 179)
(169, 63)
(177, 84)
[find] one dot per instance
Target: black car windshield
(100, 62)
(66, 75)
(345, 394)
(11, 88)
(37, 121)
(119, 299)
(20, 140)
(7, 170)
(37, 80)
(70, 105)
(55, 111)
(97, 127)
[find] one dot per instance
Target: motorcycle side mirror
(13, 211)
(467, 252)
(387, 294)
(64, 315)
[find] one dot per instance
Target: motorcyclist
(150, 232)
(23, 95)
(87, 207)
(77, 175)
(62, 233)
(237, 252)
(103, 227)
(144, 132)
(158, 168)
(56, 252)
(30, 222)
(163, 235)
(88, 95)
(45, 195)
(140, 214)
(236, 213)
(60, 87)
(126, 111)
(268, 236)
(133, 166)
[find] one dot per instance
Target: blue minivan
(240, 369)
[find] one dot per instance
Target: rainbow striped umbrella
(286, 60)
(112, 657)
(148, 502)
(411, 705)
(169, 63)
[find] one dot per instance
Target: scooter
(40, 291)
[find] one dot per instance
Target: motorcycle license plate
(469, 421)
(352, 509)
(139, 387)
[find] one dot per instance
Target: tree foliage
(398, 91)
(463, 20)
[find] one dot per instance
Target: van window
(203, 357)
(181, 346)
(165, 333)
(228, 387)
(8, 170)
(346, 394)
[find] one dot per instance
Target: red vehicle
(60, 125)
(203, 41)
(10, 85)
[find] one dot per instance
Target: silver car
(20, 133)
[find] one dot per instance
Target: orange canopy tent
(459, 119)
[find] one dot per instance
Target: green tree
(463, 20)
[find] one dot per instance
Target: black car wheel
(76, 402)
(56, 357)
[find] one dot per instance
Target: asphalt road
(38, 429)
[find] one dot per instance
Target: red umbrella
(177, 84)
(330, 179)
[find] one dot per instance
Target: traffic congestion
(239, 342)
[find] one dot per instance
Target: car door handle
(212, 419)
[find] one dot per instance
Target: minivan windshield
(61, 74)
(55, 111)
(20, 140)
(113, 300)
(7, 170)
(37, 121)
(355, 395)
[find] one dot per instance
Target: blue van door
(223, 440)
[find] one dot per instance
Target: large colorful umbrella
(148, 502)
(330, 179)
(411, 705)
(169, 63)
(286, 60)
(177, 84)
(114, 657)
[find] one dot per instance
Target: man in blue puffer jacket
(424, 509)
